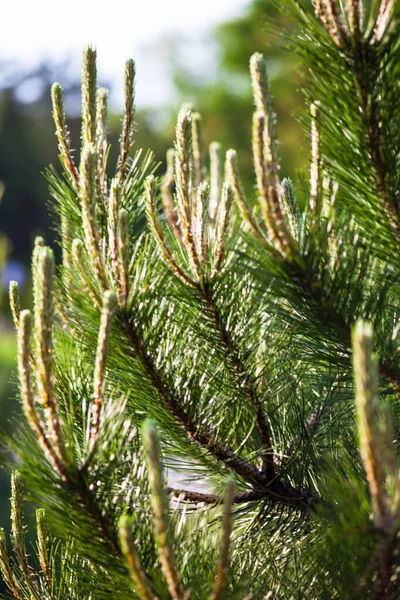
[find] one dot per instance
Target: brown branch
(203, 435)
(279, 492)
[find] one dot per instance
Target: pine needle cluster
(211, 382)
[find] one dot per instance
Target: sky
(53, 30)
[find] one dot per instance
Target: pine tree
(211, 383)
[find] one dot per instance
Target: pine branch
(199, 434)
(363, 56)
(239, 370)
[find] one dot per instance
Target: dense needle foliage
(200, 375)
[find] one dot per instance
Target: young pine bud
(216, 178)
(198, 150)
(17, 524)
(331, 17)
(222, 225)
(6, 570)
(129, 115)
(200, 230)
(268, 183)
(42, 546)
(101, 135)
(353, 16)
(100, 365)
(88, 200)
(89, 87)
(39, 244)
(136, 571)
(291, 205)
(64, 144)
(366, 383)
(102, 115)
(44, 316)
(183, 154)
(167, 194)
(222, 570)
(14, 302)
(44, 324)
(184, 185)
(28, 399)
(383, 19)
(123, 257)
(113, 207)
(259, 83)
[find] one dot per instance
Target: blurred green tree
(225, 99)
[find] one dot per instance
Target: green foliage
(248, 335)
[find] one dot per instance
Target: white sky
(53, 29)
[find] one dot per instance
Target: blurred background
(183, 53)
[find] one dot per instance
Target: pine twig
(239, 371)
(277, 492)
